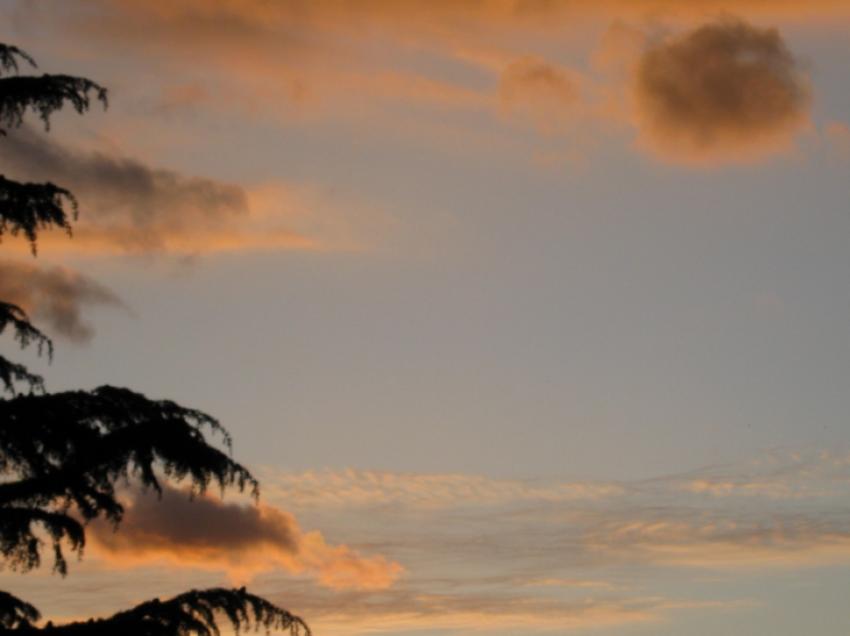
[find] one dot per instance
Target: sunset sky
(531, 315)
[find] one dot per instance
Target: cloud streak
(128, 206)
(783, 511)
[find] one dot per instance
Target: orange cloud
(312, 60)
(128, 206)
(242, 540)
(253, 43)
(726, 91)
(55, 295)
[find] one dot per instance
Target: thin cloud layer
(726, 91)
(375, 488)
(780, 511)
(718, 541)
(56, 295)
(128, 206)
(406, 610)
(242, 540)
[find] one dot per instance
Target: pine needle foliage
(26, 208)
(43, 94)
(9, 58)
(63, 454)
(15, 613)
(11, 373)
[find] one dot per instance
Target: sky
(531, 315)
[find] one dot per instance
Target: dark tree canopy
(192, 613)
(16, 613)
(68, 450)
(62, 455)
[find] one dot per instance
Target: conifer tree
(62, 454)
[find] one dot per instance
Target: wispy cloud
(372, 488)
(782, 512)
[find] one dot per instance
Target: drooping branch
(15, 613)
(45, 94)
(68, 450)
(19, 541)
(13, 316)
(9, 56)
(12, 373)
(194, 613)
(26, 208)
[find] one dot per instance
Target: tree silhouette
(62, 454)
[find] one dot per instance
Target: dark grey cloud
(724, 90)
(124, 201)
(241, 539)
(177, 522)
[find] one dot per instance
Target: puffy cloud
(130, 206)
(242, 540)
(55, 295)
(725, 91)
